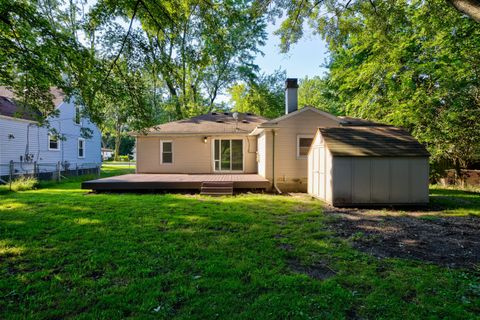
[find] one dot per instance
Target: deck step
(219, 188)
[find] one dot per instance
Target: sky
(305, 58)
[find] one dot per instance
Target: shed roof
(372, 141)
(210, 123)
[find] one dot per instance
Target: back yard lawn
(68, 254)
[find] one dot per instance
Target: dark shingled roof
(210, 123)
(9, 108)
(372, 141)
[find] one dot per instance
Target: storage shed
(367, 165)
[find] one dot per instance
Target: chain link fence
(46, 171)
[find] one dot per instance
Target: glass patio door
(228, 155)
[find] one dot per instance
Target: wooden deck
(160, 181)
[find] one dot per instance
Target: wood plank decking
(160, 181)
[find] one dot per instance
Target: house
(72, 141)
(107, 153)
(366, 165)
(278, 151)
(229, 143)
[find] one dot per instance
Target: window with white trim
(81, 148)
(166, 152)
(53, 142)
(303, 145)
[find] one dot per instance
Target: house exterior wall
(379, 180)
(291, 172)
(29, 133)
(190, 154)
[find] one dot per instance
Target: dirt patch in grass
(319, 270)
(447, 241)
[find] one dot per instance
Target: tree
(421, 73)
(36, 47)
(192, 49)
(318, 92)
(262, 96)
(324, 15)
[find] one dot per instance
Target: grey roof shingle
(211, 123)
(372, 141)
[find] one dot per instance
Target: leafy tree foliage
(413, 64)
(36, 48)
(318, 92)
(262, 96)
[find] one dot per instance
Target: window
(228, 155)
(81, 148)
(78, 115)
(303, 145)
(53, 142)
(166, 152)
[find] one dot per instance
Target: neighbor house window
(78, 115)
(53, 143)
(166, 152)
(303, 145)
(81, 148)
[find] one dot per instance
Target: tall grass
(24, 183)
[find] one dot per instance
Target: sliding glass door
(228, 155)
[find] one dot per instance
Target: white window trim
(243, 155)
(48, 142)
(78, 148)
(299, 136)
(161, 152)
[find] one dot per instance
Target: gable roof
(371, 141)
(9, 108)
(210, 123)
(275, 121)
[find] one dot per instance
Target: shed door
(319, 172)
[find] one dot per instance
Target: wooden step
(217, 188)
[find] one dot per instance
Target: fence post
(10, 169)
(99, 166)
(35, 169)
(58, 171)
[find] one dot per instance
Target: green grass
(455, 201)
(68, 254)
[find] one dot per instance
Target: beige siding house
(283, 145)
(211, 143)
(277, 149)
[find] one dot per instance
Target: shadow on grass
(65, 253)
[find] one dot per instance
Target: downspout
(273, 163)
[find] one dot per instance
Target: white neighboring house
(106, 153)
(24, 141)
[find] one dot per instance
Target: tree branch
(469, 7)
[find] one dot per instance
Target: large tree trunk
(469, 7)
(118, 139)
(117, 148)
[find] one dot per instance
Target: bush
(24, 183)
(123, 158)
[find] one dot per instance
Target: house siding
(37, 139)
(190, 154)
(291, 172)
